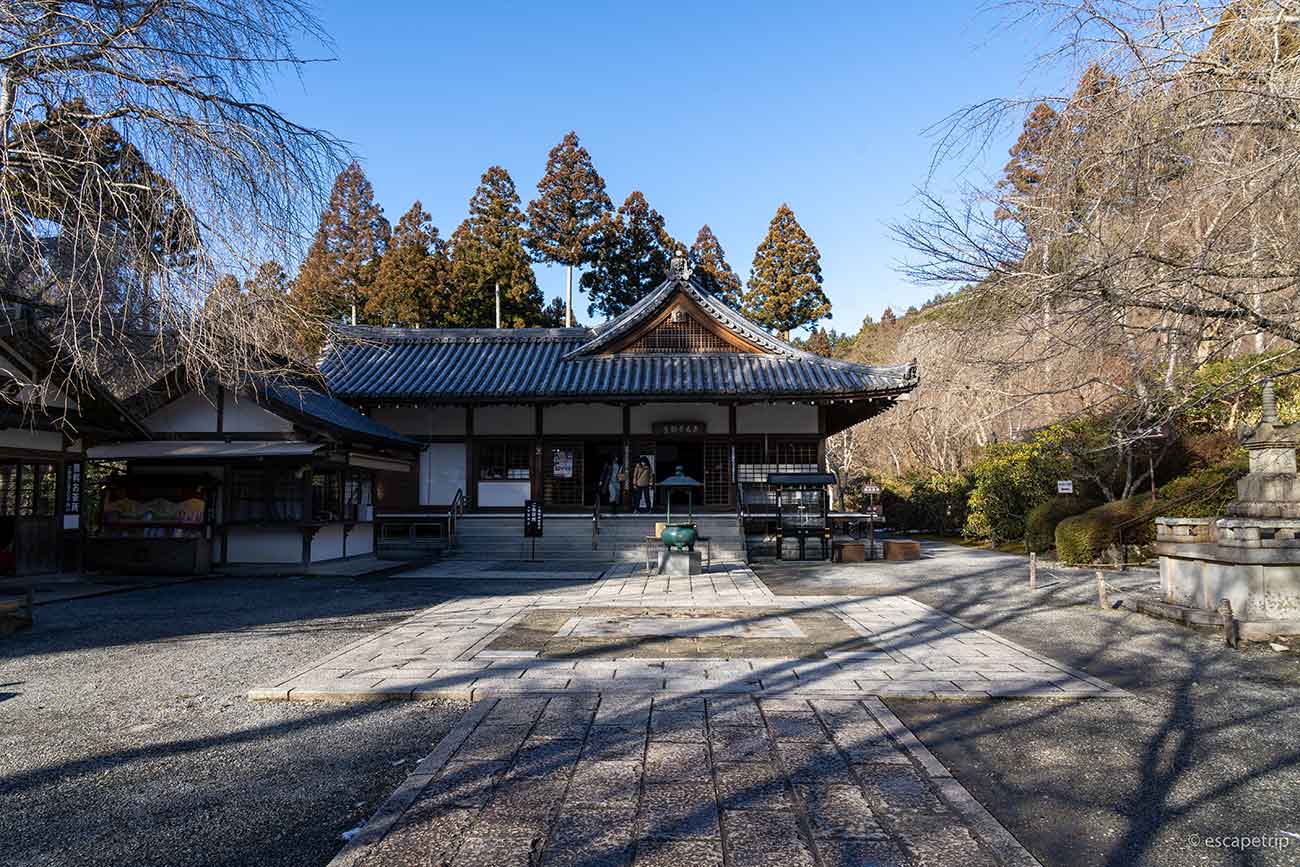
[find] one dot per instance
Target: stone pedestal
(1251, 557)
(680, 564)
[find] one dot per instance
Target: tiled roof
(526, 364)
(330, 412)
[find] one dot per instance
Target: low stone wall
(1203, 575)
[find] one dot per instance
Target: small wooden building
(46, 416)
(280, 473)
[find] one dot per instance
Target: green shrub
(1084, 538)
(919, 501)
(1009, 480)
(1210, 489)
(1041, 520)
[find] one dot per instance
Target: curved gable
(680, 317)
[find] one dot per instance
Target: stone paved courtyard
(722, 631)
(601, 780)
(625, 719)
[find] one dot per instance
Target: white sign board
(1064, 486)
(871, 489)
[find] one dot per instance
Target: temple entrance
(687, 454)
(603, 459)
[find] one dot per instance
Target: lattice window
(717, 474)
(680, 333)
(797, 456)
(786, 456)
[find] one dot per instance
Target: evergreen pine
(785, 282)
(568, 212)
(343, 259)
(553, 314)
(225, 298)
(410, 287)
(819, 343)
(712, 271)
(633, 255)
(487, 252)
(268, 285)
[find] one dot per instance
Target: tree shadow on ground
(1205, 748)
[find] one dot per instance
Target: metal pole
(568, 299)
(498, 296)
(1033, 571)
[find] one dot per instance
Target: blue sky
(717, 112)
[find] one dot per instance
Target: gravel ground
(1209, 747)
(125, 738)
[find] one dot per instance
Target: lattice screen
(717, 474)
(783, 456)
(684, 335)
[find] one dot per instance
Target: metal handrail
(740, 517)
(456, 510)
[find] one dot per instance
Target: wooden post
(1102, 599)
(1033, 571)
(1229, 623)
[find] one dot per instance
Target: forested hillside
(1115, 298)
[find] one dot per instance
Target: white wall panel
(242, 415)
(265, 545)
(189, 413)
(442, 472)
(504, 420)
(23, 438)
(594, 419)
(776, 418)
(713, 415)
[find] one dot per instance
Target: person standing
(642, 478)
(614, 484)
(602, 484)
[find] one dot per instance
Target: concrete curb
(352, 695)
(994, 834)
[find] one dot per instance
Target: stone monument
(1251, 556)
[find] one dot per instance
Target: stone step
(621, 539)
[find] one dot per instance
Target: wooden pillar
(626, 491)
(307, 515)
(83, 529)
(223, 511)
(471, 486)
(539, 452)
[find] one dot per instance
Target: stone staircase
(568, 538)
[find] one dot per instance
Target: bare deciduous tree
(138, 161)
(1146, 224)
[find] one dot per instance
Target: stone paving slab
(719, 632)
(680, 780)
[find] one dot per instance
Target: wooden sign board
(679, 428)
(532, 519)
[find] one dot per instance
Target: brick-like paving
(627, 719)
(722, 631)
(601, 780)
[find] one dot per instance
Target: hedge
(1041, 520)
(1084, 538)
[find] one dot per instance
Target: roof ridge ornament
(679, 268)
